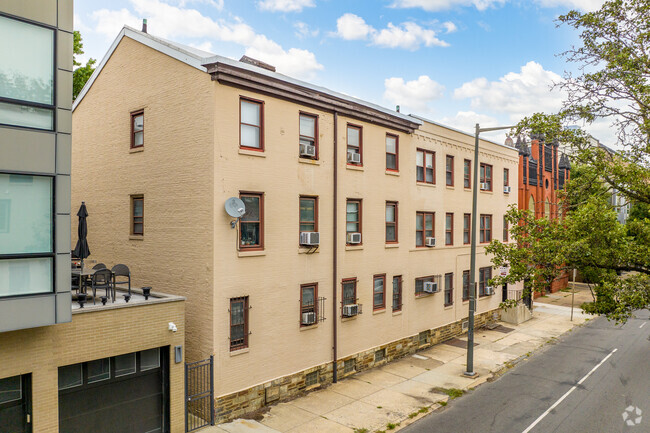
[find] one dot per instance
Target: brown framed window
(419, 284)
(353, 216)
(425, 163)
(379, 292)
(397, 293)
(467, 173)
(251, 124)
(465, 285)
(308, 304)
(308, 214)
(485, 230)
(449, 170)
(238, 323)
(251, 225)
(349, 291)
(308, 135)
(391, 222)
(449, 229)
(424, 227)
(506, 177)
(486, 176)
(137, 129)
(505, 229)
(392, 152)
(449, 289)
(467, 224)
(137, 215)
(354, 143)
(484, 275)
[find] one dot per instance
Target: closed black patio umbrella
(81, 250)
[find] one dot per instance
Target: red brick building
(542, 172)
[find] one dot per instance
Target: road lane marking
(541, 417)
(643, 324)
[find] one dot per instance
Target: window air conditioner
(309, 318)
(506, 189)
(485, 186)
(430, 287)
(354, 158)
(350, 310)
(354, 238)
(489, 290)
(309, 238)
(430, 242)
(308, 150)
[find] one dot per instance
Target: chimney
(144, 25)
(397, 108)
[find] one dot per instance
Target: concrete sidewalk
(398, 393)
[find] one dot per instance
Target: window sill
(353, 247)
(450, 187)
(240, 351)
(354, 167)
(347, 319)
(423, 295)
(258, 153)
(487, 191)
(379, 311)
(308, 161)
(392, 245)
(136, 149)
(449, 307)
(429, 185)
(397, 313)
(392, 172)
(467, 189)
(136, 237)
(251, 253)
(308, 327)
(307, 250)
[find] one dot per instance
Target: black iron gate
(199, 394)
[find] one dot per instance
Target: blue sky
(455, 61)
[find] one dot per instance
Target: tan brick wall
(93, 335)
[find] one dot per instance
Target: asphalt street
(584, 382)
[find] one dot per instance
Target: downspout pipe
(335, 232)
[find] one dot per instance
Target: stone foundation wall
(231, 406)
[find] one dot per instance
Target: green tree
(81, 73)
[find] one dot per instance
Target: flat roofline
(156, 298)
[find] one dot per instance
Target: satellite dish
(235, 207)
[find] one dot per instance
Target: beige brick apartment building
(165, 134)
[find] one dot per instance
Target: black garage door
(15, 404)
(127, 393)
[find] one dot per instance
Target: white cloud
(303, 30)
(467, 120)
(415, 94)
(439, 5)
(172, 22)
(583, 5)
(203, 46)
(449, 26)
(517, 94)
(407, 35)
(285, 5)
(217, 4)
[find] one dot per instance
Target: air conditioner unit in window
(354, 238)
(310, 238)
(354, 157)
(430, 242)
(489, 290)
(309, 318)
(307, 150)
(350, 310)
(506, 189)
(465, 325)
(485, 186)
(430, 287)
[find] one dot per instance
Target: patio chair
(102, 279)
(100, 266)
(75, 283)
(123, 272)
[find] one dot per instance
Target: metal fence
(199, 394)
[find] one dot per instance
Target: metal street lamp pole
(472, 269)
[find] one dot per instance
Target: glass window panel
(390, 213)
(352, 211)
(419, 223)
(26, 61)
(10, 389)
(391, 144)
(353, 137)
(307, 210)
(351, 227)
(70, 376)
(419, 159)
(390, 233)
(448, 221)
(138, 208)
(306, 227)
(307, 296)
(138, 228)
(25, 276)
(29, 117)
(429, 160)
(250, 136)
(237, 333)
(99, 370)
(250, 113)
(124, 364)
(429, 222)
(237, 313)
(149, 359)
(250, 233)
(391, 161)
(420, 174)
(429, 173)
(138, 138)
(138, 123)
(252, 208)
(307, 126)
